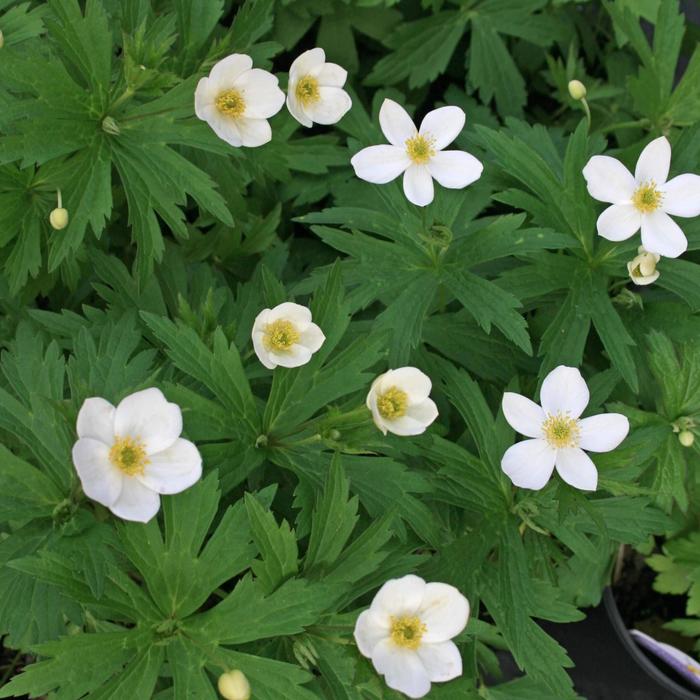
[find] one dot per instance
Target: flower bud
(233, 685)
(577, 89)
(642, 269)
(686, 438)
(58, 218)
(2, 39)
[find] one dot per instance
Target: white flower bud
(233, 685)
(577, 89)
(58, 218)
(642, 269)
(686, 438)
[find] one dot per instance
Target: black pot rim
(636, 653)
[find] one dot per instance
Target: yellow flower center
(231, 103)
(693, 669)
(129, 455)
(307, 91)
(561, 430)
(647, 198)
(407, 631)
(280, 335)
(392, 403)
(420, 149)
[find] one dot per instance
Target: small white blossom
(558, 435)
(577, 90)
(128, 455)
(418, 153)
(286, 336)
(233, 685)
(644, 200)
(642, 268)
(407, 633)
(58, 218)
(315, 91)
(236, 100)
(400, 402)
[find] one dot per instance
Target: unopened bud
(110, 126)
(2, 39)
(233, 685)
(686, 438)
(642, 269)
(577, 89)
(58, 218)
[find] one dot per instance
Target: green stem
(637, 124)
(126, 95)
(10, 669)
(587, 110)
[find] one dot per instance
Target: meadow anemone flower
(418, 153)
(407, 633)
(642, 268)
(559, 436)
(644, 200)
(400, 402)
(315, 91)
(286, 336)
(236, 100)
(128, 455)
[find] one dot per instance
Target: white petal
(227, 70)
(619, 222)
(402, 669)
(380, 164)
(443, 125)
(424, 412)
(306, 62)
(444, 611)
(173, 470)
(299, 315)
(654, 162)
(261, 93)
(149, 417)
(577, 469)
(330, 75)
(96, 420)
(529, 464)
(136, 501)
(608, 180)
(662, 235)
(225, 128)
(442, 661)
(296, 356)
(261, 351)
(330, 108)
(604, 432)
(295, 108)
(682, 195)
(204, 96)
(312, 338)
(100, 479)
(400, 596)
(396, 124)
(455, 169)
(371, 627)
(254, 132)
(406, 425)
(564, 390)
(522, 414)
(418, 185)
(415, 383)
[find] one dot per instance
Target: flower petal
(406, 425)
(564, 390)
(136, 501)
(312, 338)
(415, 383)
(442, 661)
(654, 162)
(96, 420)
(529, 464)
(261, 93)
(299, 315)
(296, 356)
(295, 108)
(619, 222)
(608, 180)
(225, 72)
(330, 75)
(402, 669)
(577, 468)
(522, 414)
(307, 61)
(424, 412)
(444, 611)
(148, 416)
(455, 169)
(330, 108)
(204, 95)
(100, 479)
(396, 125)
(174, 469)
(380, 164)
(225, 128)
(254, 132)
(371, 627)
(443, 125)
(662, 235)
(682, 195)
(604, 432)
(400, 596)
(418, 185)
(261, 351)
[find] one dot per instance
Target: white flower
(236, 101)
(286, 336)
(644, 199)
(315, 93)
(128, 455)
(642, 268)
(686, 666)
(560, 436)
(400, 403)
(407, 631)
(418, 153)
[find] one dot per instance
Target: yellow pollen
(307, 91)
(392, 403)
(280, 335)
(693, 669)
(231, 103)
(129, 455)
(420, 149)
(647, 198)
(407, 631)
(560, 430)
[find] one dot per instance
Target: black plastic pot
(656, 672)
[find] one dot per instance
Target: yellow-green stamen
(647, 198)
(281, 335)
(561, 431)
(392, 403)
(420, 149)
(307, 90)
(407, 631)
(129, 455)
(231, 103)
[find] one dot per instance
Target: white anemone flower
(286, 336)
(400, 403)
(128, 455)
(644, 200)
(315, 91)
(559, 436)
(642, 268)
(407, 633)
(418, 153)
(236, 100)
